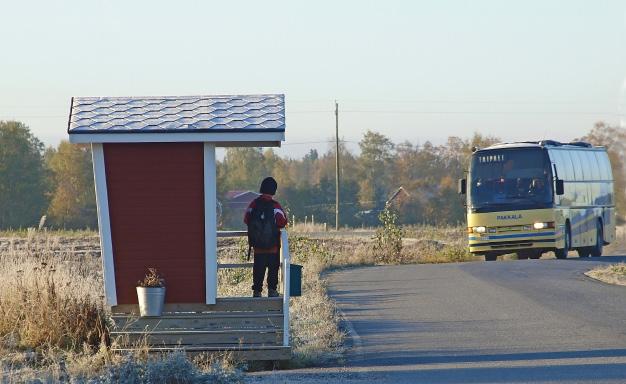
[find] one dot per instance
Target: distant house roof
(237, 201)
(236, 195)
(396, 195)
(218, 118)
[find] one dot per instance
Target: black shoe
(272, 293)
(256, 294)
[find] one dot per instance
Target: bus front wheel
(561, 253)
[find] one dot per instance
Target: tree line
(58, 181)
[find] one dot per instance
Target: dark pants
(271, 261)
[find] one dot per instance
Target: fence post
(284, 250)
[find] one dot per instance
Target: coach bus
(530, 198)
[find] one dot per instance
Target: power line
(396, 111)
(591, 113)
(32, 116)
(462, 101)
(321, 142)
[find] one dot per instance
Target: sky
(413, 70)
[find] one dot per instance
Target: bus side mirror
(462, 186)
(560, 187)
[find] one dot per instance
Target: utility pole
(336, 165)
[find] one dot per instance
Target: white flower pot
(151, 301)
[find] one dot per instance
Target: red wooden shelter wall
(156, 208)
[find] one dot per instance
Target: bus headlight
(479, 229)
(544, 225)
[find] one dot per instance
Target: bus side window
(570, 194)
(569, 162)
(593, 188)
(566, 172)
(563, 165)
(594, 165)
(605, 165)
(606, 186)
(582, 186)
(582, 168)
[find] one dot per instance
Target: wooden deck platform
(249, 328)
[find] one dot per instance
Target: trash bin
(295, 283)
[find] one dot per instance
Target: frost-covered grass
(53, 319)
(102, 367)
(611, 274)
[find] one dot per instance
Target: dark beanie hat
(269, 186)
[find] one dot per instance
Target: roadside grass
(31, 232)
(53, 322)
(420, 245)
(446, 233)
(48, 300)
(611, 274)
(102, 367)
(314, 329)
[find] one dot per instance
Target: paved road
(535, 321)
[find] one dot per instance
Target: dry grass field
(612, 274)
(53, 322)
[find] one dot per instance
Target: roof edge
(179, 97)
(229, 138)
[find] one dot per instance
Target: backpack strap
(249, 245)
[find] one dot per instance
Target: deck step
(250, 328)
(213, 321)
(225, 304)
(234, 337)
(245, 352)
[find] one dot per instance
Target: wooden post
(210, 223)
(286, 259)
(104, 223)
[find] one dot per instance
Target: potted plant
(151, 294)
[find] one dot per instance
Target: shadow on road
(570, 373)
(451, 357)
(603, 259)
(537, 374)
(366, 297)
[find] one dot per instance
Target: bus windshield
(510, 179)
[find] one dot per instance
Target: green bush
(388, 245)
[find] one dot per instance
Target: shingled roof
(177, 114)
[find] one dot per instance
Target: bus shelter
(155, 178)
